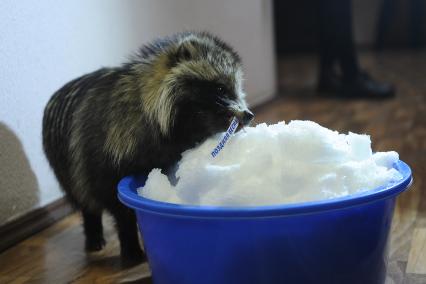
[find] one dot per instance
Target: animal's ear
(185, 51)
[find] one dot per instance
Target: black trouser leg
(336, 37)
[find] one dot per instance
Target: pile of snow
(276, 164)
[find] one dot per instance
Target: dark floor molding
(32, 222)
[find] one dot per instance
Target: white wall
(44, 44)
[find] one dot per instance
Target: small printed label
(225, 138)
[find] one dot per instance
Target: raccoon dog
(171, 95)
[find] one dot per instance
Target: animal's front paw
(95, 244)
(133, 257)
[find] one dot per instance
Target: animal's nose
(247, 117)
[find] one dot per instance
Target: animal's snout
(246, 117)
(240, 111)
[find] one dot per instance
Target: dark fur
(107, 124)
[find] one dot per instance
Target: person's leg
(336, 42)
(327, 43)
(347, 57)
(417, 13)
(336, 38)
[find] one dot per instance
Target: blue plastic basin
(340, 241)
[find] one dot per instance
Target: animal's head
(198, 86)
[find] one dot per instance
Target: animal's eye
(221, 90)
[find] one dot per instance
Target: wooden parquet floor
(56, 254)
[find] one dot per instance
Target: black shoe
(362, 86)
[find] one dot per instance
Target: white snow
(276, 164)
